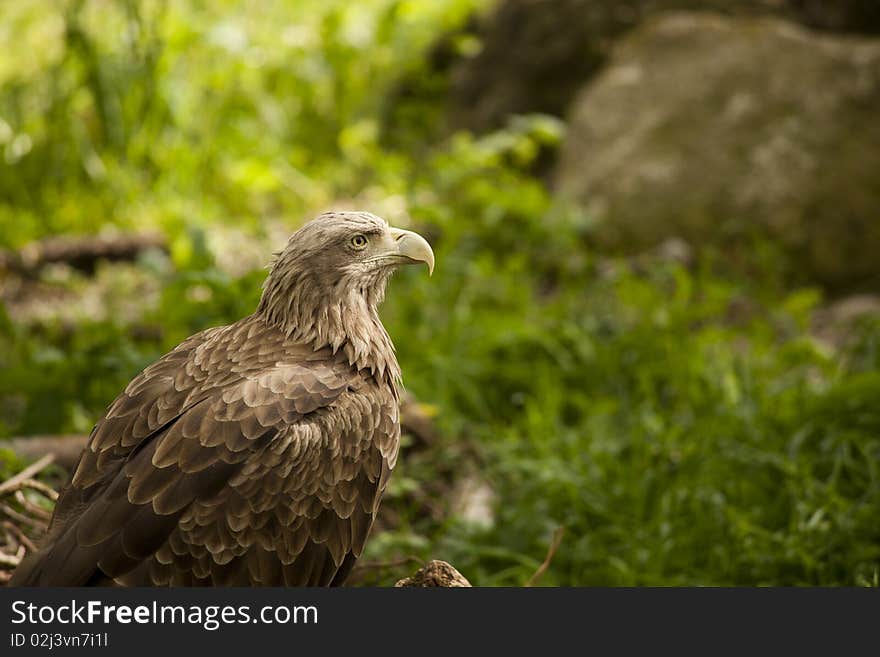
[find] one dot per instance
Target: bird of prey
(253, 454)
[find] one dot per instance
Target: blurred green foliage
(681, 423)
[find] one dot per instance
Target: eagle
(253, 454)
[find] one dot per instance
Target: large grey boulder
(711, 129)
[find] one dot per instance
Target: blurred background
(650, 352)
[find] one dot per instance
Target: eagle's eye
(359, 242)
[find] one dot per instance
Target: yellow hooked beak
(411, 248)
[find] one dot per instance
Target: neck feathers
(341, 315)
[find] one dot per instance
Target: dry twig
(12, 559)
(48, 491)
(14, 483)
(19, 535)
(551, 551)
(23, 520)
(32, 508)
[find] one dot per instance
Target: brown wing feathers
(265, 476)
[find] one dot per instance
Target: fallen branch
(81, 253)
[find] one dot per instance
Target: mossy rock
(713, 129)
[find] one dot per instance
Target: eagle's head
(353, 247)
(325, 285)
